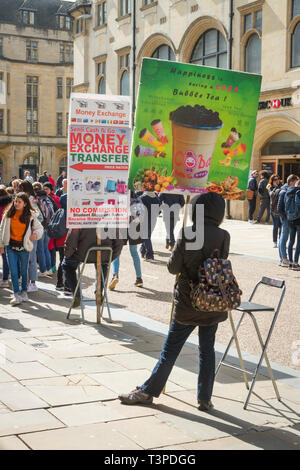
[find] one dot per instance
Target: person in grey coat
(186, 262)
(264, 196)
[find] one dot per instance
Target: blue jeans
(284, 235)
(32, 268)
(43, 253)
(5, 270)
(294, 229)
(147, 249)
(276, 226)
(177, 336)
(135, 258)
(18, 260)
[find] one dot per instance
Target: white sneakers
(32, 287)
(17, 299)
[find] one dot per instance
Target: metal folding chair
(250, 308)
(104, 281)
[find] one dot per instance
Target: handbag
(217, 289)
(250, 194)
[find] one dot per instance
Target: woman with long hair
(18, 230)
(273, 187)
(26, 187)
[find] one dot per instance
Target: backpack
(57, 225)
(217, 289)
(47, 210)
(274, 196)
(292, 205)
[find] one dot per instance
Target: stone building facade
(260, 36)
(36, 78)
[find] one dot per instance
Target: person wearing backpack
(57, 231)
(284, 234)
(292, 204)
(264, 203)
(186, 260)
(273, 187)
(46, 208)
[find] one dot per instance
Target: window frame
(169, 50)
(59, 87)
(59, 124)
(100, 73)
(1, 46)
(216, 54)
(28, 17)
(32, 50)
(245, 51)
(1, 120)
(245, 10)
(101, 14)
(33, 83)
(124, 66)
(124, 8)
(69, 86)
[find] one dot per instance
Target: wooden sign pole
(98, 291)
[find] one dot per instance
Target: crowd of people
(28, 252)
(282, 203)
(34, 237)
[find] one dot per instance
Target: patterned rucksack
(217, 289)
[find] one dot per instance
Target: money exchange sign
(98, 160)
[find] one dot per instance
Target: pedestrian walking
(47, 210)
(170, 205)
(5, 199)
(284, 234)
(60, 179)
(186, 262)
(44, 177)
(293, 216)
(251, 195)
(26, 187)
(18, 230)
(264, 204)
(152, 204)
(273, 187)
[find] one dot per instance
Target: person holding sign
(186, 259)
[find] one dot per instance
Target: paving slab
(125, 381)
(12, 443)
(27, 421)
(88, 365)
(4, 377)
(149, 432)
(87, 413)
(66, 392)
(17, 397)
(28, 370)
(80, 350)
(102, 436)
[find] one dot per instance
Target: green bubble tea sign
(194, 129)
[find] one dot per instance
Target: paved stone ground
(59, 379)
(252, 256)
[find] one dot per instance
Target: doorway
(288, 167)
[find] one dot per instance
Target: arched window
(124, 83)
(102, 86)
(31, 160)
(210, 49)
(253, 54)
(164, 52)
(284, 143)
(296, 46)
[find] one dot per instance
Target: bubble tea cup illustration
(195, 131)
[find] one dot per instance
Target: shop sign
(275, 103)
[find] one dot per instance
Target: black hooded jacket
(186, 260)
